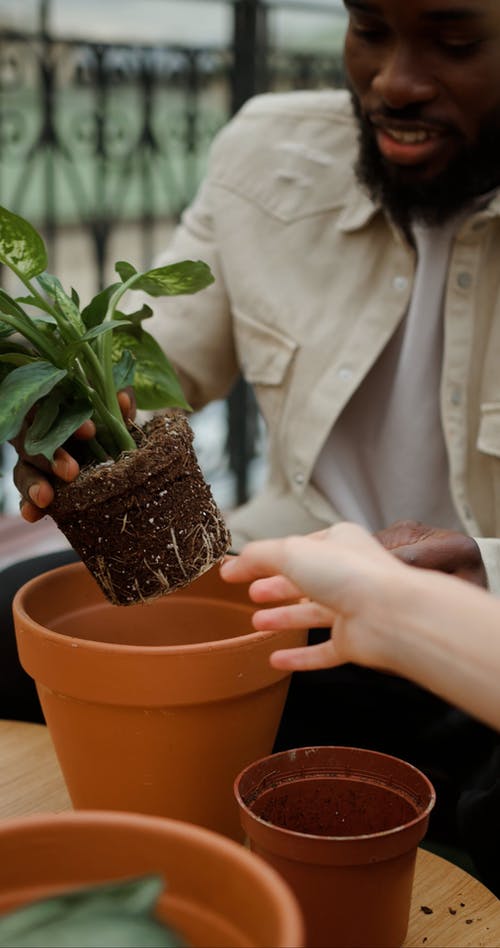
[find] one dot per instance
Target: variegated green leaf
(21, 246)
(155, 382)
(187, 276)
(136, 318)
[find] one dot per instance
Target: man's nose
(402, 78)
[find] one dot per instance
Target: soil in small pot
(147, 523)
(334, 806)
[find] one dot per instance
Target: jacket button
(400, 283)
(344, 373)
(298, 477)
(464, 280)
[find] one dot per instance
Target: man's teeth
(408, 138)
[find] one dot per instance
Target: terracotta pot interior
(166, 622)
(334, 806)
(68, 601)
(335, 792)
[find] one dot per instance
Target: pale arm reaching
(437, 630)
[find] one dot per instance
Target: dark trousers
(18, 695)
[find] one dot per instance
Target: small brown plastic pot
(342, 826)
(156, 707)
(217, 894)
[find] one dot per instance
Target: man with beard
(354, 237)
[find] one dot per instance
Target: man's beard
(474, 171)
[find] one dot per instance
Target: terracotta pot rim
(339, 840)
(129, 818)
(178, 828)
(255, 865)
(57, 638)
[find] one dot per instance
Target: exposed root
(104, 576)
(177, 554)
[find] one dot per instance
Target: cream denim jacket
(311, 282)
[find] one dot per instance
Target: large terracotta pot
(217, 893)
(342, 826)
(152, 708)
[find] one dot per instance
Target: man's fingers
(127, 403)
(29, 512)
(32, 485)
(65, 466)
(86, 431)
(306, 659)
(36, 491)
(434, 553)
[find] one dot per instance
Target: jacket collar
(358, 210)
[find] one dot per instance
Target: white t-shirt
(385, 458)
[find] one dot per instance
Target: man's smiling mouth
(409, 137)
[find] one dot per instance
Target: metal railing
(109, 141)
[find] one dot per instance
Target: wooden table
(450, 909)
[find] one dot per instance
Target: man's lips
(409, 144)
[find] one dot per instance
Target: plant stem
(102, 391)
(116, 426)
(32, 334)
(96, 449)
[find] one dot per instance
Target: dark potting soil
(333, 806)
(147, 523)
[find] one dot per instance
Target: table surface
(450, 909)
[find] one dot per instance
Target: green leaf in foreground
(21, 247)
(112, 915)
(20, 390)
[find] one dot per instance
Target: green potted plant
(154, 708)
(140, 513)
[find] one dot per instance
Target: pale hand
(340, 579)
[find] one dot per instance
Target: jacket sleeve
(490, 552)
(195, 331)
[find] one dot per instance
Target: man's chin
(429, 192)
(434, 190)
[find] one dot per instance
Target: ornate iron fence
(103, 144)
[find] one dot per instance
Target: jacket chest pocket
(265, 357)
